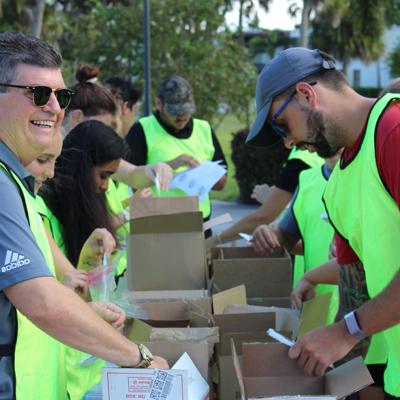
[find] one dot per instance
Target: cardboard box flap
(146, 207)
(156, 295)
(175, 223)
(236, 295)
(173, 310)
(238, 369)
(347, 378)
(221, 219)
(137, 330)
(224, 347)
(254, 322)
(271, 359)
(314, 313)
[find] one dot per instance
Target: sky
(277, 17)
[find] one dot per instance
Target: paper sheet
(200, 180)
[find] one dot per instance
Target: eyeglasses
(281, 130)
(41, 94)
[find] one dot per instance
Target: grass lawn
(224, 131)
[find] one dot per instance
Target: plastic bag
(101, 280)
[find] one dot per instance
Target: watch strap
(353, 326)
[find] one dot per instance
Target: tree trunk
(305, 22)
(37, 22)
(240, 25)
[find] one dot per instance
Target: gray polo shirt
(20, 257)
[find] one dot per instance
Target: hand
(159, 362)
(100, 242)
(264, 241)
(260, 192)
(303, 291)
(111, 313)
(320, 348)
(76, 280)
(144, 193)
(184, 160)
(161, 170)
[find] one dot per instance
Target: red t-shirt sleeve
(388, 150)
(344, 253)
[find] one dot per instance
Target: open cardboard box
(267, 371)
(176, 308)
(246, 323)
(243, 323)
(166, 244)
(268, 280)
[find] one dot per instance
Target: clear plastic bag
(101, 280)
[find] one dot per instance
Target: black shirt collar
(182, 134)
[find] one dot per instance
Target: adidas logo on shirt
(14, 260)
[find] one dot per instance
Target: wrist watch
(353, 327)
(146, 357)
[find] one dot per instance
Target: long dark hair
(71, 195)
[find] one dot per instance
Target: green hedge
(371, 92)
(255, 165)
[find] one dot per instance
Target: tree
(187, 39)
(351, 29)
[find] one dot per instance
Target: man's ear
(306, 92)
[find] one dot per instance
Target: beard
(319, 129)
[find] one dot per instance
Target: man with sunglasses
(32, 102)
(362, 197)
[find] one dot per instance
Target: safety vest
(39, 371)
(366, 215)
(115, 195)
(162, 147)
(313, 160)
(316, 233)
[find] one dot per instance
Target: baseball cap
(288, 67)
(176, 96)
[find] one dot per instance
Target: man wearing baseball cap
(301, 96)
(171, 135)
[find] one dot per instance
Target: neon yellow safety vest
(316, 233)
(39, 370)
(366, 215)
(162, 147)
(116, 207)
(313, 160)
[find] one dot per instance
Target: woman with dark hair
(91, 153)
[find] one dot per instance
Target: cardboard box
(169, 308)
(132, 383)
(267, 371)
(243, 323)
(166, 244)
(268, 280)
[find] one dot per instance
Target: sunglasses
(41, 94)
(279, 129)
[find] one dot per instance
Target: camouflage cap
(176, 96)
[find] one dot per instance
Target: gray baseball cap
(176, 96)
(288, 67)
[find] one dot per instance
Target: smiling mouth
(43, 124)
